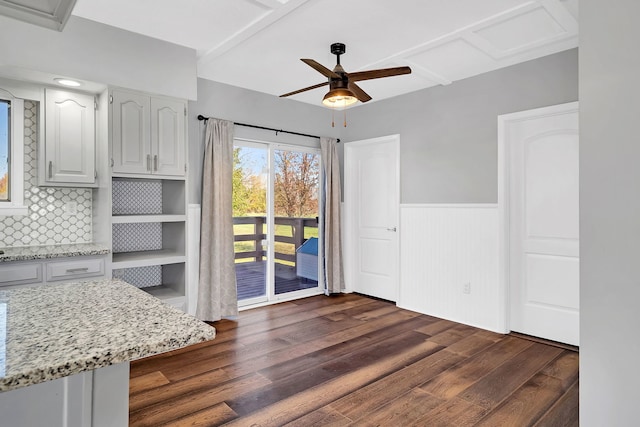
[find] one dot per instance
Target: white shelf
(146, 258)
(147, 176)
(129, 219)
(163, 292)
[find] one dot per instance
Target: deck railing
(296, 238)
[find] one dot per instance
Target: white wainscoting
(193, 257)
(442, 248)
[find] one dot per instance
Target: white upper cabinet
(131, 143)
(168, 136)
(70, 140)
(148, 134)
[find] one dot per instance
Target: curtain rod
(201, 118)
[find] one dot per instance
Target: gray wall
(609, 213)
(96, 52)
(448, 134)
(246, 106)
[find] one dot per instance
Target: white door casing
(372, 202)
(539, 185)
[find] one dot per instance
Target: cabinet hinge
(95, 175)
(111, 162)
(185, 111)
(95, 104)
(110, 99)
(185, 167)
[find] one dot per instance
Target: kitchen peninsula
(65, 350)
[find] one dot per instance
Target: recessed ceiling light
(68, 82)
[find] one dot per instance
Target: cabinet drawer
(20, 274)
(76, 269)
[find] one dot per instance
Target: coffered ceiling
(257, 44)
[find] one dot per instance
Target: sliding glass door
(250, 194)
(276, 191)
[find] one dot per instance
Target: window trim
(16, 141)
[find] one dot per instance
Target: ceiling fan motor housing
(338, 48)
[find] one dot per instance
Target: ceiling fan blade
(376, 74)
(359, 93)
(305, 89)
(320, 68)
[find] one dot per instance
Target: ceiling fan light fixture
(337, 98)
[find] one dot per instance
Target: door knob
(394, 229)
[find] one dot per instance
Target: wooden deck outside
(250, 277)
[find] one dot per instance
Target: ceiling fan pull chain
(345, 117)
(333, 114)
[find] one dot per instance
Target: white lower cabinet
(97, 398)
(30, 273)
(75, 269)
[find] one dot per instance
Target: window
(5, 151)
(11, 156)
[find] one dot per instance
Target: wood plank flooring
(351, 360)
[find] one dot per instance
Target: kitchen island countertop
(55, 331)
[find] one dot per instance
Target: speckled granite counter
(55, 331)
(52, 251)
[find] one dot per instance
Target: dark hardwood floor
(352, 360)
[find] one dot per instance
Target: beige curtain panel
(217, 293)
(334, 274)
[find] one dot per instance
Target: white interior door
(371, 207)
(542, 147)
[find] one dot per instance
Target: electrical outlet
(466, 288)
(71, 208)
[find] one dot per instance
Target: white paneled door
(541, 151)
(372, 215)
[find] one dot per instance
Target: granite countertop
(52, 251)
(54, 331)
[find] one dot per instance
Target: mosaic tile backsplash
(134, 237)
(136, 197)
(46, 223)
(141, 277)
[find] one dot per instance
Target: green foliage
(249, 192)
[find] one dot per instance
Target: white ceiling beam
(251, 29)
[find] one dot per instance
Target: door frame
(270, 296)
(504, 218)
(350, 231)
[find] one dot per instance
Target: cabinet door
(131, 149)
(168, 136)
(69, 138)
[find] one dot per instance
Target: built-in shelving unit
(148, 223)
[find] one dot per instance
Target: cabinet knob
(149, 162)
(155, 163)
(50, 169)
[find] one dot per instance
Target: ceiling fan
(343, 90)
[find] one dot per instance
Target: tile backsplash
(47, 223)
